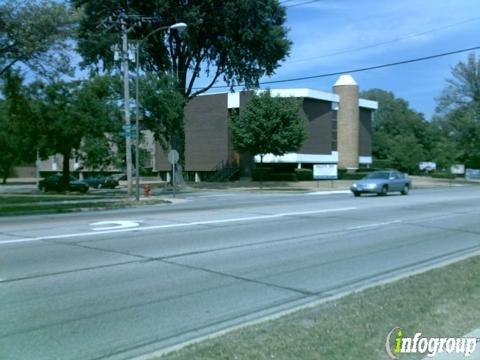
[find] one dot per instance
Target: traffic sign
(173, 157)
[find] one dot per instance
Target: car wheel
(384, 190)
(405, 190)
(356, 193)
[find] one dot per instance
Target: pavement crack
(241, 278)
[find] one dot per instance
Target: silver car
(382, 182)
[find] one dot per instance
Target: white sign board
(427, 166)
(458, 169)
(472, 174)
(325, 172)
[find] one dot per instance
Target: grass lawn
(44, 204)
(443, 302)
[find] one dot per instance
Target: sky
(338, 35)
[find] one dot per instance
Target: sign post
(173, 159)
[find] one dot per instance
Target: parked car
(54, 183)
(382, 182)
(103, 182)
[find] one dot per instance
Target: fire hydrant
(146, 190)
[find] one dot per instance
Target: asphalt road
(77, 286)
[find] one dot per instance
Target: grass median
(47, 204)
(441, 302)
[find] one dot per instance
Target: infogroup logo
(397, 343)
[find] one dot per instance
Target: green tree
(33, 33)
(71, 112)
(162, 107)
(238, 40)
(18, 133)
(401, 136)
(230, 40)
(458, 110)
(268, 125)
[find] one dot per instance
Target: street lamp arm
(177, 26)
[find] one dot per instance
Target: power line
(341, 52)
(357, 70)
(299, 4)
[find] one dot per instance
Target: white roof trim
(299, 93)
(306, 93)
(300, 158)
(369, 104)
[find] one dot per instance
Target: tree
(241, 40)
(237, 41)
(268, 125)
(71, 112)
(401, 136)
(162, 107)
(458, 110)
(17, 125)
(33, 33)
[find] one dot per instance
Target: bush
(442, 175)
(343, 174)
(267, 174)
(304, 174)
(261, 173)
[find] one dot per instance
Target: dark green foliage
(442, 175)
(344, 175)
(267, 174)
(458, 112)
(304, 174)
(268, 125)
(240, 41)
(72, 112)
(401, 136)
(18, 130)
(33, 33)
(162, 107)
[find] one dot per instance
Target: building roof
(299, 93)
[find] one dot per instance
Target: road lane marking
(176, 225)
(117, 224)
(374, 225)
(326, 192)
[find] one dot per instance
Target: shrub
(267, 174)
(304, 174)
(442, 175)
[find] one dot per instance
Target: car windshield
(378, 175)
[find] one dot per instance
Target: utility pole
(137, 123)
(126, 95)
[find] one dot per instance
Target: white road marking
(117, 224)
(156, 227)
(326, 192)
(374, 225)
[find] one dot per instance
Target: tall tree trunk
(66, 169)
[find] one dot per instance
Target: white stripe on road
(374, 225)
(156, 227)
(326, 192)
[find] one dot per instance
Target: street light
(179, 27)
